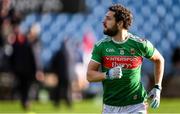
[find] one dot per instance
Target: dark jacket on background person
(22, 59)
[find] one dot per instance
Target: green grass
(85, 106)
(167, 106)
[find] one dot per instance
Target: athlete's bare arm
(158, 60)
(93, 75)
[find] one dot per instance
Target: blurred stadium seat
(46, 38)
(161, 11)
(45, 20)
(46, 56)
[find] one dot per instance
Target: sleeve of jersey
(148, 49)
(96, 54)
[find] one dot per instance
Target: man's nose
(103, 22)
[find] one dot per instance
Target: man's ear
(120, 24)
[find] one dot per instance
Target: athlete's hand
(114, 73)
(155, 95)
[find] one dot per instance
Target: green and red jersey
(129, 54)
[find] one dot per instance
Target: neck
(121, 36)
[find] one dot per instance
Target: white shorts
(140, 108)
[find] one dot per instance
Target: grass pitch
(85, 106)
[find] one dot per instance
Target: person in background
(171, 83)
(23, 65)
(34, 41)
(59, 66)
(33, 38)
(176, 61)
(120, 55)
(7, 19)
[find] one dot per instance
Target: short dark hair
(122, 14)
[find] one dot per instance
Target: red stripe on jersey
(127, 62)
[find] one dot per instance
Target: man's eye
(108, 18)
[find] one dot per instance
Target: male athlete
(120, 57)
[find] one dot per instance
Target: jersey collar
(120, 42)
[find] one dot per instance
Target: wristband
(107, 74)
(158, 87)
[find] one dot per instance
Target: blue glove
(155, 95)
(114, 73)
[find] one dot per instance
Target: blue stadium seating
(158, 21)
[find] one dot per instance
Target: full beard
(111, 32)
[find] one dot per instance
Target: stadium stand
(155, 20)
